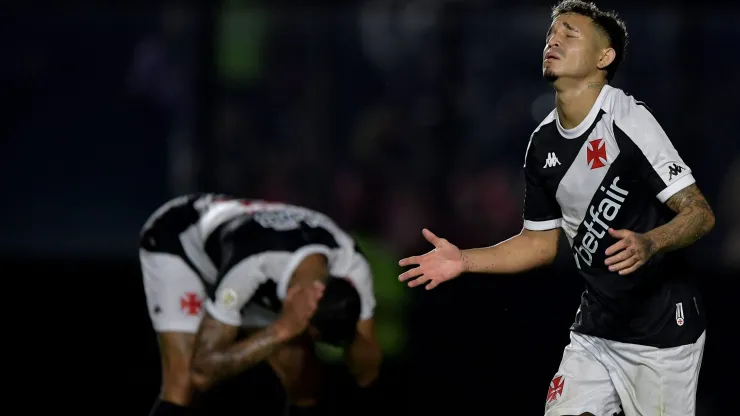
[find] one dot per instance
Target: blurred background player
(601, 168)
(232, 283)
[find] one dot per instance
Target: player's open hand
(443, 263)
(630, 252)
(299, 306)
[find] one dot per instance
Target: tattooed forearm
(214, 361)
(694, 219)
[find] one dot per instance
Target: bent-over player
(214, 265)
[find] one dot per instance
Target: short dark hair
(608, 23)
(338, 312)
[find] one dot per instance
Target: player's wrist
(281, 331)
(465, 266)
(652, 244)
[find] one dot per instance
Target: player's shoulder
(544, 130)
(541, 129)
(622, 107)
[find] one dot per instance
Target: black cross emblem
(674, 170)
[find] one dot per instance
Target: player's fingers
(416, 271)
(432, 285)
(431, 237)
(317, 290)
(616, 247)
(631, 269)
(308, 307)
(419, 281)
(619, 257)
(311, 302)
(631, 261)
(619, 233)
(314, 298)
(408, 261)
(293, 291)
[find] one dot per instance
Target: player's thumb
(617, 233)
(431, 237)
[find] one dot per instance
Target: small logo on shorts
(190, 303)
(556, 389)
(228, 297)
(679, 314)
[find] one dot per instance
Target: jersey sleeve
(657, 160)
(294, 260)
(541, 210)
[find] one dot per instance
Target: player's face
(571, 48)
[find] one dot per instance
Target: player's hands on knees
(443, 263)
(299, 306)
(630, 252)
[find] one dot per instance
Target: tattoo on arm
(217, 358)
(694, 219)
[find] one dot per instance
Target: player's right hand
(443, 263)
(299, 306)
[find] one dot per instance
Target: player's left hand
(630, 252)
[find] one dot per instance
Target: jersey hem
(542, 225)
(219, 315)
(675, 187)
(297, 258)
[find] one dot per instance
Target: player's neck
(575, 100)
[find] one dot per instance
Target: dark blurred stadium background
(388, 115)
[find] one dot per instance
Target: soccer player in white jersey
(215, 267)
(601, 169)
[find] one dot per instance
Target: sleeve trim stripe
(542, 225)
(675, 187)
(300, 254)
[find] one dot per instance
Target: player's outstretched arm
(525, 251)
(693, 220)
(217, 357)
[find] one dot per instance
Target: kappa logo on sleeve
(674, 170)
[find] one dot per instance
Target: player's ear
(606, 58)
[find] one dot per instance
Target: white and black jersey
(615, 170)
(244, 252)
